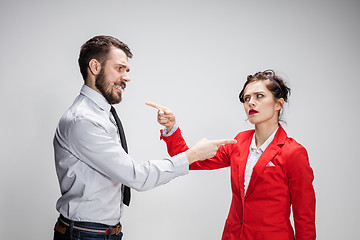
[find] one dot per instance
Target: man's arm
(92, 145)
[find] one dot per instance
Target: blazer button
(241, 222)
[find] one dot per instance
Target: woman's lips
(252, 111)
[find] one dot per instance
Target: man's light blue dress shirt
(92, 165)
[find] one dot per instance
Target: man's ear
(94, 66)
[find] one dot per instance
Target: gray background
(192, 56)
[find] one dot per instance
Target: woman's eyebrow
(257, 92)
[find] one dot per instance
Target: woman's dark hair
(274, 83)
(98, 48)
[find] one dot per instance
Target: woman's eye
(246, 99)
(259, 95)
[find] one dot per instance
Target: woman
(270, 172)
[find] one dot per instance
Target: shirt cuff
(181, 164)
(167, 134)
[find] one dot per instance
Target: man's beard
(106, 89)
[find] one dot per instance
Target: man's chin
(114, 100)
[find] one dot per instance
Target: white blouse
(254, 155)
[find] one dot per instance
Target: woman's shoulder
(293, 148)
(292, 143)
(297, 158)
(244, 134)
(288, 143)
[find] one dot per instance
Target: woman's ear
(279, 104)
(94, 67)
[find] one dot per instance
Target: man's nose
(125, 77)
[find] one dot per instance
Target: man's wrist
(190, 155)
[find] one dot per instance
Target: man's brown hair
(98, 48)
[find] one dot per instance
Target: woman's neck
(264, 131)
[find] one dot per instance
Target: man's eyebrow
(123, 65)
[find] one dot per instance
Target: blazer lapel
(244, 153)
(242, 165)
(269, 153)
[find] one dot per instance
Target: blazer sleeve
(302, 193)
(176, 144)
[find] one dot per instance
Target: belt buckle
(60, 228)
(115, 231)
(118, 229)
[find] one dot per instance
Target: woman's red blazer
(264, 213)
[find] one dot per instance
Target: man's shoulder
(84, 107)
(82, 110)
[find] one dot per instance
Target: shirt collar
(96, 97)
(265, 144)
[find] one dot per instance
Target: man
(92, 164)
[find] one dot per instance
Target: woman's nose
(251, 102)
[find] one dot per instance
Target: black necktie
(126, 189)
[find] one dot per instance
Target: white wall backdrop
(192, 56)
